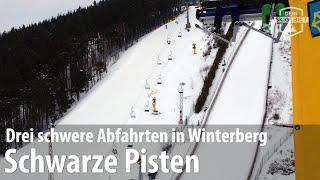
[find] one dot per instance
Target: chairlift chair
(159, 61)
(147, 107)
(170, 57)
(147, 85)
(168, 40)
(114, 150)
(132, 113)
(159, 80)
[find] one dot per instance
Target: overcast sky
(15, 13)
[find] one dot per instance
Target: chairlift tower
(181, 102)
(188, 25)
(50, 149)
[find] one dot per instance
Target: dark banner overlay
(132, 152)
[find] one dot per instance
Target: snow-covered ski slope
(243, 94)
(123, 89)
(241, 101)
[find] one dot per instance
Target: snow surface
(241, 101)
(243, 94)
(123, 90)
(280, 95)
(285, 152)
(15, 13)
(279, 102)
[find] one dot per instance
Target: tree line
(46, 66)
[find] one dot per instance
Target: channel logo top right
(314, 17)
